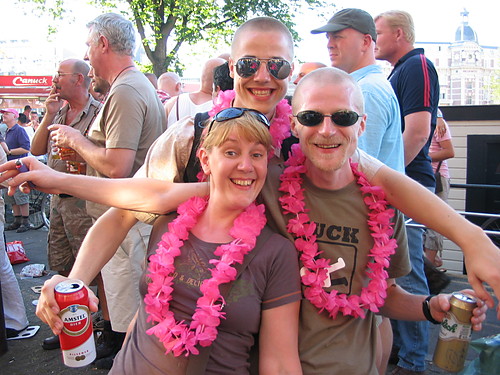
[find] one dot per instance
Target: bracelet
(426, 308)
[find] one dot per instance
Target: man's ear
(362, 125)
(400, 34)
(203, 156)
(103, 43)
(367, 42)
(231, 67)
(293, 125)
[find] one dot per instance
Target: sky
(435, 21)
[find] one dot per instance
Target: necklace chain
(121, 71)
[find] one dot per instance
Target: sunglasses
(236, 112)
(248, 66)
(340, 118)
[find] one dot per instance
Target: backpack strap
(177, 108)
(197, 363)
(193, 165)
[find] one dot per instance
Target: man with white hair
(130, 120)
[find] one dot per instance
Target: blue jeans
(412, 338)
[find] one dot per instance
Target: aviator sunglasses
(236, 112)
(340, 118)
(248, 66)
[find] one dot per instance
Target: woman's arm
(138, 194)
(482, 257)
(447, 151)
(278, 340)
(105, 235)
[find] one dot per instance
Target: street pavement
(26, 356)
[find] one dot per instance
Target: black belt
(65, 196)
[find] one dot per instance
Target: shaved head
(263, 24)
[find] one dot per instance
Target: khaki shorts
(18, 198)
(69, 223)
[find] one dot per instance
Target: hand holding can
(77, 339)
(455, 333)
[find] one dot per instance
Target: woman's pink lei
(379, 221)
(280, 125)
(177, 337)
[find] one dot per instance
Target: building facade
(467, 70)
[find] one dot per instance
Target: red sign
(26, 81)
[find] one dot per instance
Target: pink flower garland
(379, 221)
(177, 337)
(280, 125)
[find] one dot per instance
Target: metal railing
(488, 215)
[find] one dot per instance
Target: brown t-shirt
(344, 345)
(82, 123)
(270, 280)
(132, 117)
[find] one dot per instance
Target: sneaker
(51, 343)
(109, 343)
(23, 228)
(12, 226)
(11, 332)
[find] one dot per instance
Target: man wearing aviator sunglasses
(277, 67)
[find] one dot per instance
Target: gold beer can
(455, 333)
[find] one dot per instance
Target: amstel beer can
(455, 333)
(77, 340)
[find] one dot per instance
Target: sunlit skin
(64, 81)
(261, 91)
(307, 68)
(9, 118)
(98, 84)
(345, 49)
(237, 170)
(327, 146)
(386, 46)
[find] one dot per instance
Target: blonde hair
(247, 126)
(402, 19)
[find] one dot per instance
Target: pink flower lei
(280, 124)
(178, 337)
(379, 221)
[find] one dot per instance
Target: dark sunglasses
(248, 66)
(340, 118)
(236, 112)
